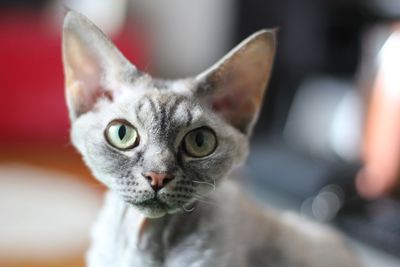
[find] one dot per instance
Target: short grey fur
(199, 218)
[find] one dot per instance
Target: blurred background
(327, 144)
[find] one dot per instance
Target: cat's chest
(190, 252)
(166, 244)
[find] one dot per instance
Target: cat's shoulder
(233, 194)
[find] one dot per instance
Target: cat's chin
(153, 214)
(154, 208)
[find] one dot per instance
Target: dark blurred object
(376, 223)
(385, 9)
(25, 4)
(315, 37)
(310, 135)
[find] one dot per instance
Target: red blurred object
(32, 106)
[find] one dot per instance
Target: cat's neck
(169, 229)
(156, 237)
(153, 240)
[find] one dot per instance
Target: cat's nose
(158, 180)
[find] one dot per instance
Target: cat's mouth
(156, 206)
(153, 203)
(153, 208)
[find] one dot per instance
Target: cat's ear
(234, 87)
(94, 68)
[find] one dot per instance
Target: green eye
(200, 142)
(122, 135)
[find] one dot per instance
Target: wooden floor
(73, 262)
(54, 157)
(61, 157)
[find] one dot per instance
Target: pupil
(199, 139)
(121, 132)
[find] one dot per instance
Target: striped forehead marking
(165, 112)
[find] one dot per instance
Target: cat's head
(160, 144)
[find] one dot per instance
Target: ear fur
(93, 66)
(234, 87)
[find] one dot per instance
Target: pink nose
(158, 180)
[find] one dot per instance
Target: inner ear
(84, 84)
(93, 66)
(234, 87)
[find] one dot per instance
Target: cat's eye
(200, 142)
(122, 135)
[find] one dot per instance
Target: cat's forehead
(147, 84)
(160, 104)
(168, 107)
(133, 91)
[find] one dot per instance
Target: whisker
(187, 210)
(206, 202)
(201, 199)
(202, 196)
(207, 183)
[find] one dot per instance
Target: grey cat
(164, 148)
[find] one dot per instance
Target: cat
(164, 148)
